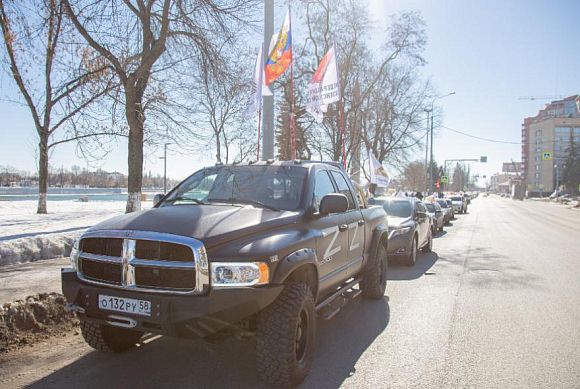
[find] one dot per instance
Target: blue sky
(488, 52)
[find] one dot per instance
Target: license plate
(125, 305)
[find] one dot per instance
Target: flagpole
(259, 122)
(341, 109)
(292, 128)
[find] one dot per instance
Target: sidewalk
(26, 279)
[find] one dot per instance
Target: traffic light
(483, 158)
(438, 184)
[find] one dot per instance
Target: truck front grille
(143, 260)
(101, 271)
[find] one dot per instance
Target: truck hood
(212, 224)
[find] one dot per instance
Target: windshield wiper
(183, 198)
(244, 201)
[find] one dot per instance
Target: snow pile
(35, 248)
(27, 236)
(33, 319)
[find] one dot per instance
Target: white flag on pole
(379, 174)
(324, 87)
(259, 87)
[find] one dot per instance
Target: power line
(481, 138)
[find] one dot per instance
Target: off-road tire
(283, 356)
(374, 280)
(109, 339)
(429, 246)
(411, 259)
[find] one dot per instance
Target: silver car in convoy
(459, 204)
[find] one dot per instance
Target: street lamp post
(164, 158)
(432, 140)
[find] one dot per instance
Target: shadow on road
(229, 363)
(422, 266)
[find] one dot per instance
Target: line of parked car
(413, 223)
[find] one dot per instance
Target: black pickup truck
(262, 248)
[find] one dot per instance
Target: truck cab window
(322, 187)
(344, 189)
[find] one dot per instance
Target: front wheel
(285, 337)
(109, 339)
(412, 257)
(374, 281)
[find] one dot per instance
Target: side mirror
(157, 198)
(333, 203)
(420, 215)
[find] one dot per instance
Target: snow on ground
(27, 236)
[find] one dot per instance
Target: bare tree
(59, 92)
(413, 176)
(383, 94)
(134, 37)
(220, 104)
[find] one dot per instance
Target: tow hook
(74, 308)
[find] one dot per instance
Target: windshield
(430, 207)
(442, 203)
(397, 208)
(456, 198)
(273, 187)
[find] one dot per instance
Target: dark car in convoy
(258, 249)
(447, 210)
(409, 227)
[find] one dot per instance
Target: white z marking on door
(329, 250)
(353, 245)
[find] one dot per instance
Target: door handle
(361, 222)
(343, 227)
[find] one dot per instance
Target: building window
(538, 133)
(537, 176)
(538, 168)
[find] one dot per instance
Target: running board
(327, 310)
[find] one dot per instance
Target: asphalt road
(497, 304)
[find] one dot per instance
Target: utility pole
(427, 151)
(268, 101)
(432, 107)
(356, 127)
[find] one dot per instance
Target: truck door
(355, 223)
(332, 245)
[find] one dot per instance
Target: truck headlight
(399, 231)
(236, 274)
(74, 254)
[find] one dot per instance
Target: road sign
(547, 156)
(444, 179)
